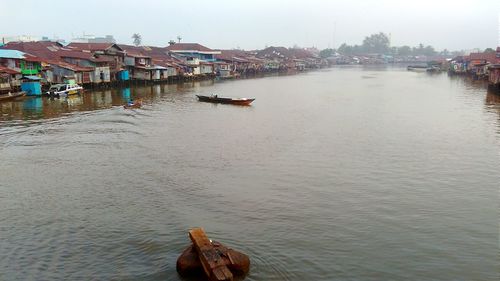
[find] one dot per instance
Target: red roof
(52, 52)
(188, 47)
(233, 55)
(82, 55)
(8, 70)
(70, 66)
(488, 57)
(159, 56)
(41, 49)
(134, 51)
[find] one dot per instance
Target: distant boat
(11, 96)
(216, 99)
(417, 68)
(434, 68)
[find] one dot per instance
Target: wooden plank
(213, 264)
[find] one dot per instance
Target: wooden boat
(434, 68)
(216, 99)
(133, 104)
(417, 68)
(11, 96)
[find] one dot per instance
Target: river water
(348, 173)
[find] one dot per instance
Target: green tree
(418, 50)
(326, 53)
(376, 43)
(404, 51)
(345, 49)
(489, 50)
(429, 51)
(137, 39)
(357, 49)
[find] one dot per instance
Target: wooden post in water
(213, 264)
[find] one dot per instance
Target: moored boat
(11, 96)
(225, 100)
(417, 68)
(62, 90)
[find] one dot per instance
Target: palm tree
(137, 39)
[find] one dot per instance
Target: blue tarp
(11, 54)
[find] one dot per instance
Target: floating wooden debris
(211, 258)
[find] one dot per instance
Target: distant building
(87, 38)
(20, 38)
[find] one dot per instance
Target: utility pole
(334, 31)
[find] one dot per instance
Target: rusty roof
(134, 51)
(41, 49)
(157, 54)
(189, 47)
(7, 70)
(83, 55)
(93, 46)
(70, 66)
(488, 57)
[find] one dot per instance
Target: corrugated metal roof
(189, 47)
(11, 54)
(32, 77)
(8, 70)
(93, 46)
(83, 55)
(488, 57)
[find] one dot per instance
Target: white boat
(63, 90)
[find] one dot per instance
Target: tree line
(380, 44)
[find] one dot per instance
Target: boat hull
(212, 99)
(417, 68)
(6, 97)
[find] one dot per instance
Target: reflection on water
(350, 173)
(43, 107)
(126, 94)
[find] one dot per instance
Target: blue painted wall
(123, 75)
(32, 88)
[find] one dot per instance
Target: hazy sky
(457, 24)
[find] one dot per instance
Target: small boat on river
(11, 96)
(225, 100)
(417, 68)
(423, 68)
(133, 104)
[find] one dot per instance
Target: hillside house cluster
(93, 64)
